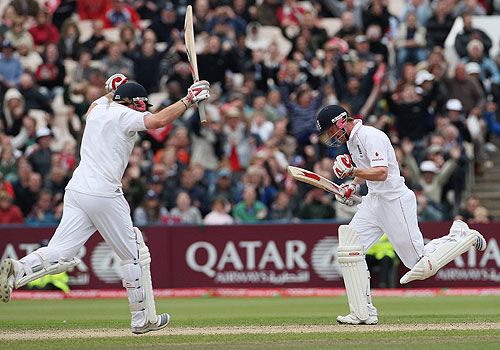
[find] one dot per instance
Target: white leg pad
(429, 265)
(43, 261)
(131, 274)
(351, 257)
(145, 263)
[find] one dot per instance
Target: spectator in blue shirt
(10, 66)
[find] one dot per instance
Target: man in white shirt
(389, 207)
(94, 199)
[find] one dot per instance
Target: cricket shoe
(162, 322)
(355, 320)
(7, 278)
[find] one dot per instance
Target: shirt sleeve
(132, 121)
(376, 147)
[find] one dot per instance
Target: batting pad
(145, 263)
(351, 258)
(429, 265)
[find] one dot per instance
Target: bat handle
(202, 111)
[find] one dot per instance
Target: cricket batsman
(94, 199)
(389, 207)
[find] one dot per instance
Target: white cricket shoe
(354, 320)
(162, 322)
(7, 278)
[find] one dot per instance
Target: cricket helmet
(132, 92)
(327, 117)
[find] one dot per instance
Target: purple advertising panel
(249, 256)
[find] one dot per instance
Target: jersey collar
(357, 125)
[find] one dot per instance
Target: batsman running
(94, 199)
(389, 207)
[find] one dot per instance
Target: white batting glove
(197, 92)
(343, 166)
(114, 81)
(348, 191)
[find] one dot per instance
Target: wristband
(185, 105)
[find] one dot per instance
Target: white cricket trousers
(85, 214)
(397, 218)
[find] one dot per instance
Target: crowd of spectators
(388, 69)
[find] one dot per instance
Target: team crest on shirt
(377, 157)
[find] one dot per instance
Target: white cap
(42, 132)
(428, 166)
(472, 68)
(454, 105)
(423, 76)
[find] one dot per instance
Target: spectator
(148, 9)
(316, 205)
(481, 216)
(489, 71)
(69, 42)
(249, 209)
(10, 66)
(219, 214)
(281, 209)
(97, 43)
(468, 33)
(92, 9)
(29, 58)
(33, 98)
(147, 66)
(43, 212)
(151, 211)
(14, 110)
(473, 7)
(381, 255)
(119, 13)
(114, 62)
(338, 8)
(56, 182)
(224, 186)
(349, 29)
(43, 32)
(376, 13)
(41, 157)
(184, 211)
(266, 12)
(194, 188)
(421, 8)
(18, 34)
(472, 204)
(9, 212)
(165, 23)
(240, 145)
(377, 45)
(427, 210)
(50, 74)
(411, 41)
(439, 25)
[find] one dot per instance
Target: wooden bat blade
(316, 180)
(191, 54)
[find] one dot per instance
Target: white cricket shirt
(107, 143)
(370, 147)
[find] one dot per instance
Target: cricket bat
(317, 180)
(191, 54)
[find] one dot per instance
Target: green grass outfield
(456, 322)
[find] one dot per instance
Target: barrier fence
(249, 256)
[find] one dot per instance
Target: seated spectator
(10, 66)
(439, 25)
(224, 186)
(280, 208)
(376, 13)
(165, 23)
(119, 13)
(383, 256)
(41, 157)
(44, 32)
(349, 29)
(44, 212)
(422, 8)
(8, 167)
(9, 212)
(19, 34)
(469, 33)
(30, 59)
(33, 98)
(489, 71)
(466, 214)
(427, 210)
(219, 214)
(147, 66)
(184, 211)
(56, 182)
(150, 211)
(377, 45)
(115, 62)
(97, 44)
(462, 88)
(316, 205)
(92, 9)
(51, 73)
(481, 216)
(249, 209)
(13, 112)
(411, 41)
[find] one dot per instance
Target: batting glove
(348, 191)
(114, 81)
(197, 92)
(343, 166)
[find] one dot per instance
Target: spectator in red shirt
(120, 13)
(92, 9)
(44, 32)
(9, 213)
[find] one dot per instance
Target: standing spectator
(468, 33)
(44, 32)
(439, 25)
(463, 88)
(150, 211)
(44, 212)
(97, 44)
(41, 157)
(422, 9)
(184, 211)
(10, 66)
(411, 41)
(376, 13)
(147, 67)
(69, 42)
(349, 30)
(120, 13)
(165, 23)
(240, 144)
(219, 215)
(249, 209)
(9, 212)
